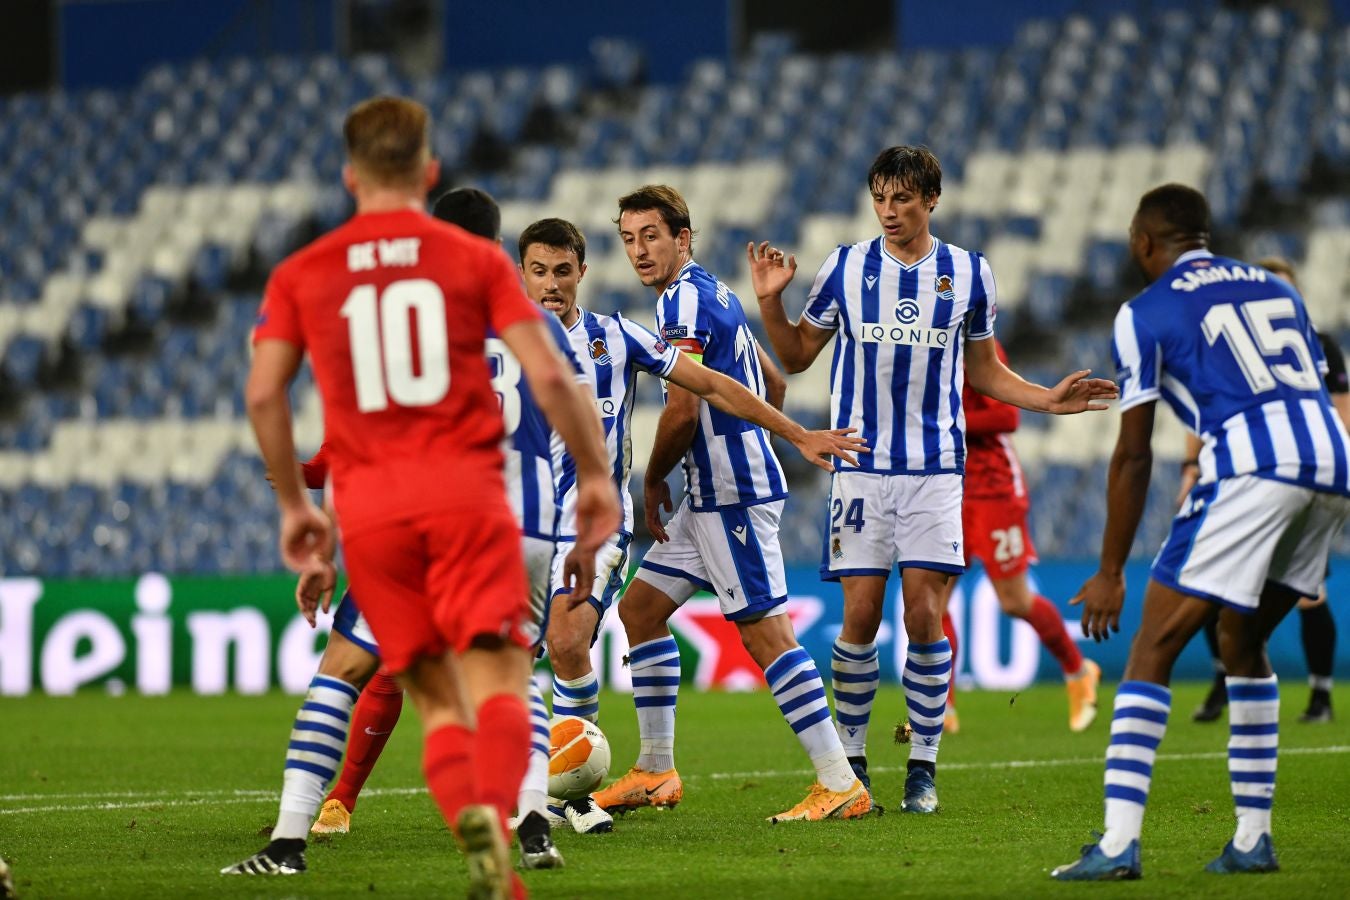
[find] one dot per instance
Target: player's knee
(347, 662)
(568, 654)
(923, 622)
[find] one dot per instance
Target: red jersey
(992, 469)
(393, 309)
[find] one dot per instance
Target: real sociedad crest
(600, 352)
(944, 287)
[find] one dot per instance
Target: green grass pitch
(149, 797)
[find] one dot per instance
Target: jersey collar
(1192, 254)
(908, 266)
(579, 323)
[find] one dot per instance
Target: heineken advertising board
(213, 635)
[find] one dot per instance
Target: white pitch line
(160, 799)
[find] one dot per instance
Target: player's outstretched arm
(1074, 394)
(1103, 595)
(728, 395)
(572, 414)
(305, 530)
(770, 272)
(674, 433)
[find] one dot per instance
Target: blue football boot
(1094, 865)
(1233, 861)
(920, 792)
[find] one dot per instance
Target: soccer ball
(578, 757)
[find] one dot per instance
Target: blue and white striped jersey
(898, 364)
(730, 462)
(611, 350)
(1228, 346)
(529, 447)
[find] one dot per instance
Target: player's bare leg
(1081, 676)
(800, 694)
(855, 670)
(316, 743)
(654, 660)
(926, 676)
(569, 651)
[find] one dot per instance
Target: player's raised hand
(656, 497)
(305, 531)
(1101, 596)
(578, 576)
(820, 447)
(770, 270)
(1077, 393)
(315, 588)
(598, 513)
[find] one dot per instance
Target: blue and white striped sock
(800, 695)
(856, 676)
(1137, 728)
(534, 787)
(1253, 745)
(655, 666)
(318, 738)
(928, 671)
(578, 697)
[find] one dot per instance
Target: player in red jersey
(994, 519)
(393, 309)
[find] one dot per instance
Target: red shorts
(435, 583)
(996, 534)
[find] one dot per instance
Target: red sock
(949, 629)
(503, 751)
(1049, 625)
(447, 763)
(373, 720)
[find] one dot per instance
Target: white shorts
(1235, 534)
(879, 521)
(611, 569)
(538, 555)
(538, 563)
(732, 552)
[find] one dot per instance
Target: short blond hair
(389, 140)
(1281, 267)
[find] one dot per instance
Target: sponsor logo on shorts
(739, 532)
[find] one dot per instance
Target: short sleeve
(1138, 359)
(279, 315)
(504, 293)
(316, 469)
(677, 320)
(647, 351)
(827, 292)
(983, 301)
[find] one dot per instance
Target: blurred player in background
(994, 521)
(907, 308)
(414, 431)
(1317, 627)
(612, 351)
(724, 537)
(1229, 347)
